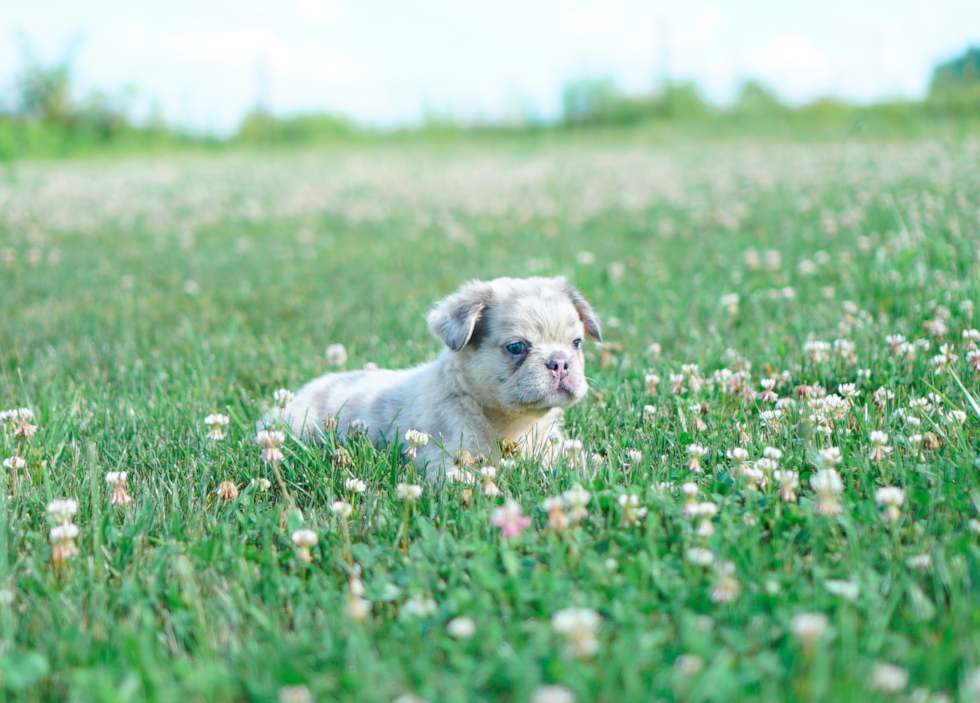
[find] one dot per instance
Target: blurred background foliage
(44, 116)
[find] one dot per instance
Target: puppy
(513, 362)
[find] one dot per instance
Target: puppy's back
(349, 396)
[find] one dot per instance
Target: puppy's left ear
(454, 317)
(585, 312)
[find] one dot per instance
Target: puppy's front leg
(545, 438)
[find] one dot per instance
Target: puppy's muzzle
(559, 368)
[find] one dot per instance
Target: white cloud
(329, 63)
(793, 66)
(318, 11)
(238, 47)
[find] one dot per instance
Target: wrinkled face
(525, 351)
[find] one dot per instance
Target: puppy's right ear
(453, 318)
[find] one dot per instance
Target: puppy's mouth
(558, 396)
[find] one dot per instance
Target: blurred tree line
(954, 93)
(43, 117)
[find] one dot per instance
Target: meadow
(772, 493)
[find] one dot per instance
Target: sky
(390, 62)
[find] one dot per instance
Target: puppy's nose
(559, 367)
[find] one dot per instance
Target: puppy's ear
(453, 318)
(585, 312)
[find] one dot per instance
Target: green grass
(181, 595)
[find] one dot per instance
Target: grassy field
(140, 296)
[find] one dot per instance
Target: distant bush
(44, 118)
(600, 102)
(261, 127)
(955, 86)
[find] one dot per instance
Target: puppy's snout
(559, 367)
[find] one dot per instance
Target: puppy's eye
(516, 348)
(577, 343)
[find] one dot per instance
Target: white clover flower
(772, 453)
(730, 302)
(418, 606)
(283, 397)
(304, 539)
(62, 511)
(973, 358)
(295, 694)
(19, 422)
(216, 423)
(768, 395)
(270, 440)
(848, 590)
(830, 457)
(341, 509)
(14, 463)
(809, 628)
(576, 498)
(415, 439)
(651, 381)
(552, 694)
(261, 484)
(462, 628)
(816, 351)
(737, 454)
(891, 498)
(357, 607)
(63, 535)
(355, 485)
(882, 396)
(921, 404)
(754, 478)
(336, 355)
(694, 454)
(879, 445)
(700, 556)
(771, 420)
(632, 511)
(922, 562)
(956, 417)
(557, 519)
(706, 510)
(691, 491)
(227, 490)
(971, 685)
(726, 587)
(634, 456)
(358, 426)
(828, 486)
(490, 489)
(579, 627)
(64, 532)
(895, 342)
(117, 479)
(889, 678)
(408, 492)
(688, 664)
(788, 482)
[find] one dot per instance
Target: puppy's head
(519, 341)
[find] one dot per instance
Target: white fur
(476, 392)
